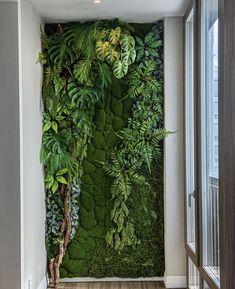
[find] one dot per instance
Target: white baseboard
(43, 284)
(175, 281)
(112, 279)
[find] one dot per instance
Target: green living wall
(92, 251)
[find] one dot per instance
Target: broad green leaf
(55, 187)
(62, 172)
(46, 126)
(102, 49)
(115, 35)
(127, 42)
(49, 182)
(120, 68)
(61, 180)
(130, 56)
(150, 38)
(82, 70)
(55, 126)
(139, 41)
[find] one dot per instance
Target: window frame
(194, 256)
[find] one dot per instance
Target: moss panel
(76, 251)
(116, 107)
(99, 155)
(87, 219)
(100, 213)
(99, 140)
(89, 244)
(87, 201)
(100, 118)
(89, 167)
(99, 195)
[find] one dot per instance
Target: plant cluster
(139, 146)
(140, 141)
(78, 64)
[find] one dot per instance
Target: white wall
(32, 192)
(9, 149)
(174, 162)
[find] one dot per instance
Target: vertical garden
(102, 149)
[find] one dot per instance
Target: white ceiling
(127, 10)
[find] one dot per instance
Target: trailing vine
(80, 62)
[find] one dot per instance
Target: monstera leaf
(120, 68)
(83, 96)
(60, 53)
(127, 43)
(130, 56)
(82, 71)
(115, 35)
(112, 55)
(102, 49)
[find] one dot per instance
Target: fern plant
(140, 142)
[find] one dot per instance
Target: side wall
(174, 163)
(9, 149)
(33, 206)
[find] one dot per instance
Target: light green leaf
(62, 172)
(55, 187)
(49, 182)
(115, 35)
(61, 180)
(120, 68)
(46, 126)
(55, 126)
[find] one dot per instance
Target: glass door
(190, 189)
(209, 138)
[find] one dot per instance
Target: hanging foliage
(80, 62)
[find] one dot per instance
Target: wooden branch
(66, 228)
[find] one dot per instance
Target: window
(190, 131)
(209, 138)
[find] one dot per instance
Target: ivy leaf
(62, 172)
(61, 180)
(55, 187)
(120, 68)
(46, 126)
(54, 126)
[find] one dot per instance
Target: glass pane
(210, 144)
(189, 126)
(205, 286)
(193, 276)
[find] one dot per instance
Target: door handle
(190, 196)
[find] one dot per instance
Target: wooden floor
(113, 285)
